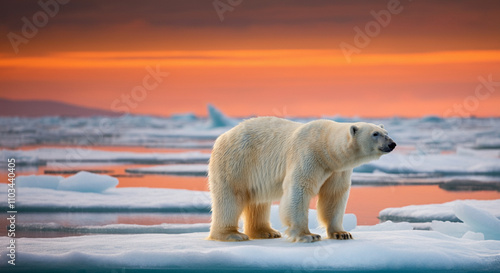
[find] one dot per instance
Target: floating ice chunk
(478, 220)
(443, 164)
(87, 182)
(487, 143)
(184, 117)
(112, 200)
(39, 181)
(61, 156)
(441, 212)
(479, 151)
(176, 169)
(432, 118)
(116, 228)
(218, 119)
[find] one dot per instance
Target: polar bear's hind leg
(225, 215)
(257, 224)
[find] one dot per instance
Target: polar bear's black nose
(392, 145)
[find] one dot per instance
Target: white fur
(267, 159)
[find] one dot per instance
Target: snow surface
(384, 247)
(393, 250)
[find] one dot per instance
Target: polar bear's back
(251, 157)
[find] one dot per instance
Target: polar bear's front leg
(294, 209)
(332, 202)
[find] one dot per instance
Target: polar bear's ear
(354, 130)
(381, 126)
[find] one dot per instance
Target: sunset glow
(254, 63)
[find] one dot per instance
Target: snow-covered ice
(471, 219)
(115, 228)
(452, 153)
(39, 181)
(87, 182)
(441, 212)
(111, 200)
(82, 182)
(461, 153)
(396, 250)
(478, 220)
(178, 169)
(438, 164)
(43, 156)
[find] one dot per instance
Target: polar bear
(266, 159)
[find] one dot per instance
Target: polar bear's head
(371, 140)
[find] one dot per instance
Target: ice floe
(180, 169)
(111, 200)
(394, 250)
(441, 212)
(115, 228)
(44, 156)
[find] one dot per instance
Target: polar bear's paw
(231, 236)
(265, 233)
(340, 235)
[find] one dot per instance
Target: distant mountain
(37, 108)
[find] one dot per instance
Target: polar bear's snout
(389, 145)
(392, 145)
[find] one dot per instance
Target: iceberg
(218, 119)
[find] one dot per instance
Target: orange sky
(280, 58)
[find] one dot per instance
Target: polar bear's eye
(375, 134)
